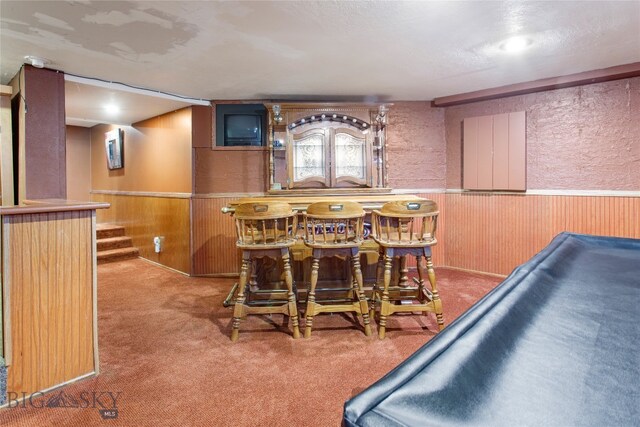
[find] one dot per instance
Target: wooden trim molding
(596, 193)
(94, 291)
(6, 292)
(19, 400)
(577, 79)
(50, 206)
(415, 191)
(584, 193)
(143, 194)
(227, 195)
(411, 191)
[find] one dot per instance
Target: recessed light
(515, 44)
(112, 109)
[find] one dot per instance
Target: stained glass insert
(308, 157)
(350, 156)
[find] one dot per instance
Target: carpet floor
(165, 348)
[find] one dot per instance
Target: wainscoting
(494, 233)
(488, 232)
(49, 294)
(214, 237)
(147, 216)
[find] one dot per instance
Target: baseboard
(466, 270)
(164, 266)
(50, 389)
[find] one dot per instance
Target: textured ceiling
(312, 50)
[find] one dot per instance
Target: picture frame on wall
(114, 148)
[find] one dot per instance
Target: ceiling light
(112, 109)
(515, 44)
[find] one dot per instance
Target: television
(242, 129)
(240, 125)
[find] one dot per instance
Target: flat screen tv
(242, 129)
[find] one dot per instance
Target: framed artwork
(114, 148)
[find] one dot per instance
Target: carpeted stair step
(117, 254)
(114, 243)
(105, 231)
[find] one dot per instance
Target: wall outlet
(158, 244)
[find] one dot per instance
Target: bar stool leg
(376, 286)
(385, 308)
(238, 309)
(288, 278)
(437, 304)
(421, 295)
(311, 298)
(364, 307)
(253, 281)
(404, 271)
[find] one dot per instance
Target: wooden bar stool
(405, 228)
(335, 229)
(265, 230)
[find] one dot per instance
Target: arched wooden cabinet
(327, 148)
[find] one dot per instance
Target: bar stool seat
(265, 230)
(405, 228)
(335, 229)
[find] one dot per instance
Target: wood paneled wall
(495, 233)
(48, 279)
(157, 155)
(145, 217)
(230, 170)
(214, 237)
(439, 250)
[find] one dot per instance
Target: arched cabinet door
(308, 158)
(351, 157)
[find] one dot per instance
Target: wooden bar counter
(300, 202)
(49, 294)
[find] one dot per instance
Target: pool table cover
(556, 344)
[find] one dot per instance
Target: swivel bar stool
(404, 228)
(335, 229)
(265, 230)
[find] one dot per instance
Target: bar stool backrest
(265, 225)
(331, 224)
(406, 223)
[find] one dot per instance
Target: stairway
(113, 245)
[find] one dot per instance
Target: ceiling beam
(587, 77)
